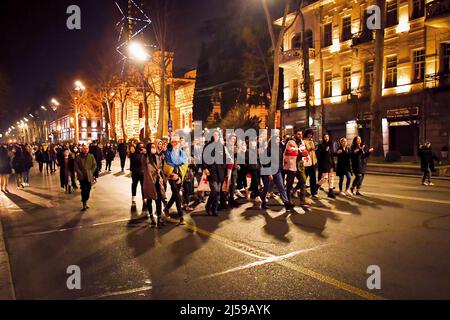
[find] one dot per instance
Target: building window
(328, 35)
(309, 38)
(419, 65)
(368, 74)
(391, 72)
(328, 84)
(346, 28)
(417, 9)
(391, 13)
(311, 85)
(445, 53)
(294, 95)
(296, 42)
(346, 80)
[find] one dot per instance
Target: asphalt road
(246, 253)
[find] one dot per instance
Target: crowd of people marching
(179, 167)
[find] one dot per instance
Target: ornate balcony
(362, 37)
(291, 58)
(438, 14)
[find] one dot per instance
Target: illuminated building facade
(416, 71)
(90, 129)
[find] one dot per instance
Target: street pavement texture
(245, 253)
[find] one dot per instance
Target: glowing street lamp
(79, 86)
(137, 52)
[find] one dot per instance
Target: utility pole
(376, 135)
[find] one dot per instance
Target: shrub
(393, 156)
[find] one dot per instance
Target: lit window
(418, 9)
(346, 28)
(391, 72)
(328, 35)
(347, 80)
(368, 74)
(294, 90)
(391, 13)
(328, 84)
(419, 65)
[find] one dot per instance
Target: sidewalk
(442, 171)
(6, 285)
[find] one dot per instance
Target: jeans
(136, 179)
(188, 191)
(213, 200)
(357, 183)
(26, 176)
(175, 198)
(348, 175)
(278, 181)
(311, 173)
(85, 186)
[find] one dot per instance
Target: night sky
(38, 53)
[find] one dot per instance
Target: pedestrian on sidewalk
(427, 158)
(344, 167)
(175, 167)
(28, 164)
(153, 184)
(110, 154)
(66, 170)
(311, 165)
(85, 166)
(39, 156)
(137, 174)
(18, 164)
(325, 160)
(122, 149)
(359, 164)
(5, 167)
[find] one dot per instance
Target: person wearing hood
(175, 168)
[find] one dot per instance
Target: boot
(153, 222)
(331, 194)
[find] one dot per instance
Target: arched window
(309, 38)
(296, 42)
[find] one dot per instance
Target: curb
(376, 173)
(7, 291)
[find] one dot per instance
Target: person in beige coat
(153, 186)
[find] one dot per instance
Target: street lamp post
(79, 87)
(138, 53)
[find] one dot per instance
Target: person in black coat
(325, 161)
(28, 164)
(344, 166)
(39, 156)
(5, 167)
(427, 158)
(359, 156)
(215, 168)
(137, 159)
(110, 154)
(51, 158)
(122, 150)
(18, 164)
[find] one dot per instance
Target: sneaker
(431, 184)
(239, 194)
(342, 193)
(258, 200)
(315, 197)
(181, 222)
(425, 183)
(359, 194)
(304, 204)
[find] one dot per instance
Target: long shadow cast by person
(276, 227)
(24, 204)
(119, 174)
(312, 222)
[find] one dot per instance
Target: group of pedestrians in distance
(176, 174)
